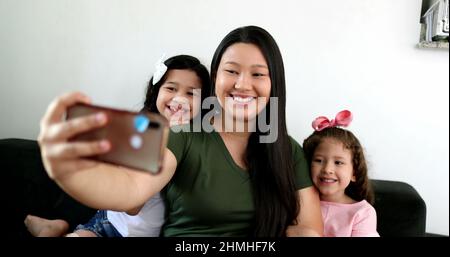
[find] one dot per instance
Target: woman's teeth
(242, 99)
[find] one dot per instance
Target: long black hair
(178, 62)
(270, 165)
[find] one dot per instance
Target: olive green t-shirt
(209, 194)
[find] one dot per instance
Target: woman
(223, 183)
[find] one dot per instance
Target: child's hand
(61, 157)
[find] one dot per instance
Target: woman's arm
(109, 187)
(96, 184)
(309, 219)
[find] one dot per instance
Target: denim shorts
(100, 225)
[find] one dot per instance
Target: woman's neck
(235, 142)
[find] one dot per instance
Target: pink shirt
(347, 220)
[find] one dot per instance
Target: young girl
(216, 182)
(174, 91)
(339, 171)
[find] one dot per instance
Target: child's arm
(309, 219)
(365, 223)
(96, 184)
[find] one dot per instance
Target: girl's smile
(178, 99)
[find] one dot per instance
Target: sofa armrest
(27, 189)
(401, 211)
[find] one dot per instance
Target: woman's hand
(61, 157)
(93, 183)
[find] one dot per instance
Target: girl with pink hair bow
(339, 171)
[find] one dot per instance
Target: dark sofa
(27, 189)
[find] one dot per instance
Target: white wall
(355, 54)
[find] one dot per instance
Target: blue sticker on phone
(141, 123)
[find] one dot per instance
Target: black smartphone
(138, 139)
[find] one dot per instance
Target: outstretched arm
(309, 219)
(109, 187)
(96, 184)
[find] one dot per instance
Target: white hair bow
(160, 70)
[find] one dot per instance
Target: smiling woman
(242, 79)
(271, 190)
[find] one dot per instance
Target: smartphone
(138, 139)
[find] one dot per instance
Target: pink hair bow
(343, 118)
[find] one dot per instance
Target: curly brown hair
(359, 190)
